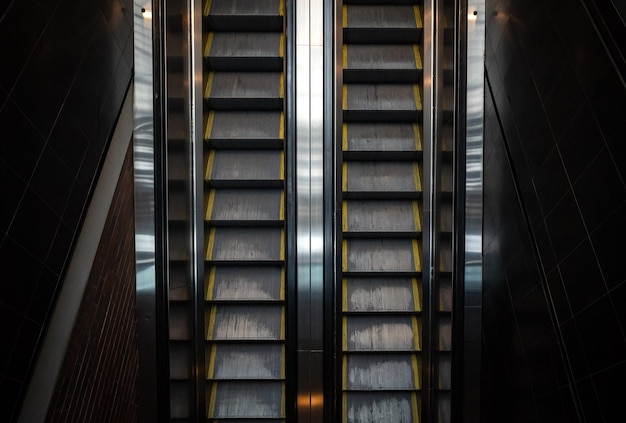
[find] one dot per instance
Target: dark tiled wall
(554, 283)
(65, 68)
(102, 356)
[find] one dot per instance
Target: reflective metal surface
(474, 191)
(145, 229)
(309, 95)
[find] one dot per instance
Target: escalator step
(381, 217)
(382, 63)
(256, 362)
(380, 372)
(385, 140)
(247, 206)
(251, 245)
(240, 168)
(380, 333)
(382, 24)
(241, 51)
(250, 283)
(246, 323)
(365, 407)
(241, 400)
(382, 102)
(244, 15)
(383, 294)
(244, 90)
(262, 129)
(392, 255)
(401, 179)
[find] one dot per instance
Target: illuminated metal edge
(309, 96)
(194, 73)
(474, 198)
(146, 151)
(430, 133)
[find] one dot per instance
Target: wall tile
(582, 278)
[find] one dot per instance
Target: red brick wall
(98, 380)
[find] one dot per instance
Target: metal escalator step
(232, 245)
(380, 141)
(381, 217)
(392, 255)
(372, 372)
(245, 206)
(382, 333)
(366, 407)
(244, 90)
(241, 51)
(382, 24)
(259, 15)
(382, 63)
(261, 129)
(382, 102)
(381, 179)
(241, 168)
(241, 400)
(383, 294)
(231, 362)
(246, 323)
(251, 283)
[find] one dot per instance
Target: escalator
(244, 144)
(381, 199)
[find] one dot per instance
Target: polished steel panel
(474, 184)
(309, 94)
(145, 231)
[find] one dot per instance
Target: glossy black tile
(574, 348)
(52, 181)
(21, 144)
(75, 205)
(550, 181)
(548, 62)
(533, 318)
(544, 248)
(618, 297)
(600, 190)
(518, 278)
(41, 303)
(589, 401)
(14, 55)
(20, 272)
(609, 386)
(565, 99)
(617, 146)
(68, 141)
(537, 141)
(608, 100)
(558, 296)
(542, 359)
(580, 143)
(582, 278)
(601, 335)
(12, 189)
(24, 350)
(34, 225)
(565, 227)
(10, 322)
(10, 389)
(60, 250)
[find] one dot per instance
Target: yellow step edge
(281, 89)
(418, 57)
(344, 137)
(211, 325)
(281, 294)
(344, 372)
(282, 244)
(344, 334)
(344, 255)
(281, 210)
(344, 177)
(207, 7)
(416, 295)
(344, 56)
(209, 205)
(281, 46)
(344, 17)
(283, 402)
(209, 44)
(344, 97)
(344, 408)
(416, 216)
(416, 333)
(417, 136)
(209, 165)
(414, 407)
(416, 255)
(281, 127)
(282, 324)
(209, 125)
(416, 177)
(209, 85)
(418, 96)
(211, 370)
(281, 174)
(344, 294)
(415, 367)
(209, 250)
(210, 284)
(282, 362)
(344, 216)
(212, 400)
(418, 17)
(281, 8)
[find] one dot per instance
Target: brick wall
(98, 380)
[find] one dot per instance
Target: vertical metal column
(473, 206)
(309, 94)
